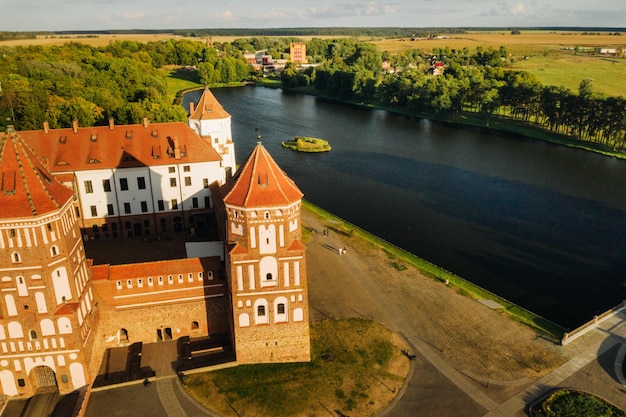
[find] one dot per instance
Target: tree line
(122, 80)
(472, 82)
(75, 81)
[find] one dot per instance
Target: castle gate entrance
(43, 379)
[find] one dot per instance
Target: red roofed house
(59, 313)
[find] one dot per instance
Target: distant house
(621, 52)
(297, 52)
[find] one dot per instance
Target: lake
(541, 225)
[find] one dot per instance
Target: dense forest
(88, 84)
(122, 80)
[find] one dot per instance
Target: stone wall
(288, 342)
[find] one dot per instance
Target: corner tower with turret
(47, 309)
(208, 119)
(266, 263)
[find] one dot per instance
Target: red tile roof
(208, 108)
(260, 183)
(123, 146)
(146, 269)
(68, 308)
(297, 245)
(26, 187)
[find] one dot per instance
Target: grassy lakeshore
(400, 256)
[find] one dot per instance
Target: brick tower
(266, 263)
(46, 306)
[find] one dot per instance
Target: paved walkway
(614, 330)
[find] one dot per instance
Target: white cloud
(131, 15)
(225, 15)
(515, 8)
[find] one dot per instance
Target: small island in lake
(303, 144)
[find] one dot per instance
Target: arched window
(10, 304)
(54, 251)
(40, 299)
(194, 325)
(32, 335)
(244, 320)
(65, 325)
(16, 258)
(15, 330)
(47, 327)
(280, 310)
(268, 276)
(260, 311)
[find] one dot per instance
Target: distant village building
(59, 312)
(297, 52)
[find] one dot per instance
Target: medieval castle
(59, 312)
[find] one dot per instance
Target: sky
(60, 15)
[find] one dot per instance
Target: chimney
(176, 149)
(46, 127)
(75, 125)
(111, 123)
(191, 108)
(145, 122)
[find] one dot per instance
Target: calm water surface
(541, 225)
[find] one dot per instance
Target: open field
(103, 40)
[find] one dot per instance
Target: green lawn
(180, 79)
(568, 70)
(357, 367)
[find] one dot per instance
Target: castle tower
(209, 120)
(46, 300)
(266, 263)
